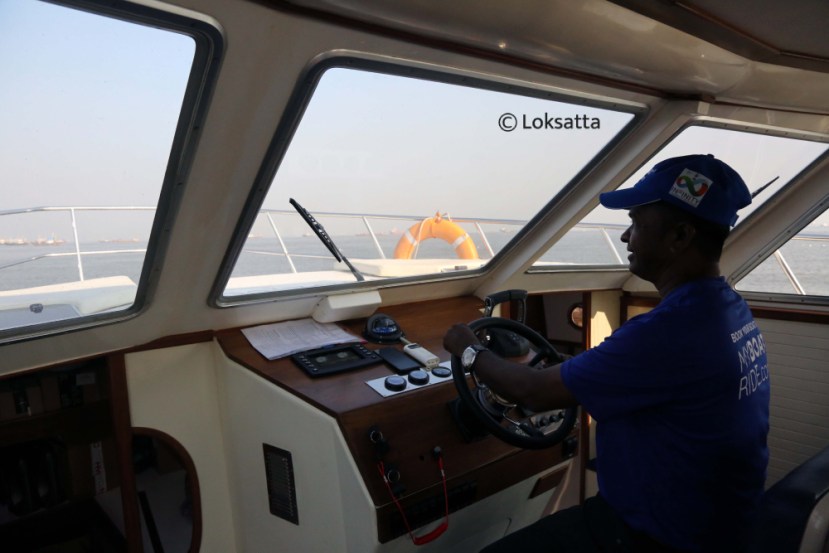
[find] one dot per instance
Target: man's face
(648, 242)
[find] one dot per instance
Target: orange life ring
(436, 227)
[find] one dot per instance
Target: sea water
(26, 266)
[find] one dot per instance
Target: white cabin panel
(174, 390)
(799, 407)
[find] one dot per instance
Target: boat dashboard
(402, 442)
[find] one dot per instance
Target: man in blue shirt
(680, 394)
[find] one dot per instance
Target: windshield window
(761, 160)
(88, 111)
(410, 177)
(798, 267)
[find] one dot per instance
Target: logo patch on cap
(690, 187)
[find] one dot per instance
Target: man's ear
(684, 234)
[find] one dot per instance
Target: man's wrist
(470, 355)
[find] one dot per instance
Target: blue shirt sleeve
(640, 366)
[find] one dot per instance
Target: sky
(429, 147)
(89, 108)
(90, 104)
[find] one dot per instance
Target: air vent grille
(279, 471)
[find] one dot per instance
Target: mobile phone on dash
(398, 360)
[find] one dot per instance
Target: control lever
(492, 300)
(503, 342)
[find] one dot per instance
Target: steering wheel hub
(509, 421)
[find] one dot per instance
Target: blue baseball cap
(699, 184)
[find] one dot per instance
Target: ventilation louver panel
(279, 471)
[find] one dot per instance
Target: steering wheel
(510, 422)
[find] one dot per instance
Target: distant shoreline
(35, 242)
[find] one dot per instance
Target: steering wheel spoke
(537, 358)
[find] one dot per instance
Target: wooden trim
(55, 365)
(628, 300)
(192, 475)
(175, 340)
(121, 423)
(535, 316)
(775, 313)
(640, 301)
(584, 418)
(548, 482)
(159, 343)
(796, 315)
(587, 309)
(584, 452)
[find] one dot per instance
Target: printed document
(280, 339)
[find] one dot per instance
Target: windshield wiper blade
(325, 239)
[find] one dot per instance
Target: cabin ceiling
(758, 53)
(790, 34)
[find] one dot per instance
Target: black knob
(442, 372)
(419, 377)
(395, 383)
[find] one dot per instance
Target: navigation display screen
(335, 359)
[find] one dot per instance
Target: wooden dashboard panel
(413, 423)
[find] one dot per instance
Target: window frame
(291, 119)
(209, 49)
(785, 235)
